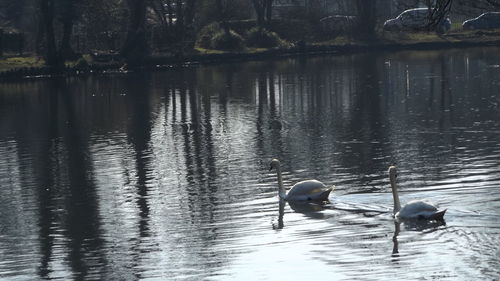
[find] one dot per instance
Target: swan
(302, 191)
(415, 209)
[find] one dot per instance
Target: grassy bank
(13, 62)
(18, 67)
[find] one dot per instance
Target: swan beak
(271, 168)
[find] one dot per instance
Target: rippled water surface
(164, 176)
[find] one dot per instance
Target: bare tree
(474, 8)
(47, 20)
(185, 18)
(493, 3)
(67, 18)
(176, 18)
(225, 11)
(269, 11)
(367, 19)
(135, 47)
(160, 11)
(438, 10)
(263, 9)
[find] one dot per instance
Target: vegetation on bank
(237, 47)
(15, 66)
(16, 62)
(90, 35)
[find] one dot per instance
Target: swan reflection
(309, 209)
(397, 229)
(412, 225)
(280, 224)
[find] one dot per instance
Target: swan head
(275, 163)
(393, 173)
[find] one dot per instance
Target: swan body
(416, 209)
(308, 190)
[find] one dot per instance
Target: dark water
(165, 175)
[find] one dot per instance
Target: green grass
(256, 50)
(12, 63)
(249, 50)
(208, 51)
(412, 37)
(73, 63)
(340, 41)
(456, 26)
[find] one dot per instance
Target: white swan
(415, 209)
(302, 191)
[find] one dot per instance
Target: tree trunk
(367, 19)
(222, 16)
(135, 47)
(1, 42)
(67, 18)
(40, 34)
(65, 50)
(47, 12)
(260, 11)
(180, 15)
(189, 13)
(269, 11)
(437, 14)
(170, 11)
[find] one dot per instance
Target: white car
(415, 19)
(487, 20)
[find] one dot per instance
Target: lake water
(165, 175)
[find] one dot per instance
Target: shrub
(213, 36)
(228, 41)
(261, 37)
(82, 64)
(204, 37)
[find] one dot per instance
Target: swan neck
(281, 190)
(395, 195)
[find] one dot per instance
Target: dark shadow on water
(395, 247)
(139, 136)
(37, 171)
(46, 192)
(201, 167)
(196, 139)
(83, 223)
(412, 225)
(366, 146)
(269, 140)
(309, 209)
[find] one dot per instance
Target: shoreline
(161, 62)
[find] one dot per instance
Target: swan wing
(419, 209)
(309, 190)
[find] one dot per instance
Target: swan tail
(439, 216)
(324, 195)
